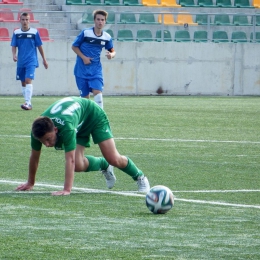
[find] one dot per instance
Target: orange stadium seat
(6, 15)
(44, 33)
(12, 2)
(4, 34)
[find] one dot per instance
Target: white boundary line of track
(134, 194)
(155, 139)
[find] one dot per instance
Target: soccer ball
(159, 199)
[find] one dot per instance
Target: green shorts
(100, 132)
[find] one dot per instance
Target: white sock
(23, 92)
(28, 93)
(99, 99)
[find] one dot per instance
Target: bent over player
(88, 46)
(27, 40)
(67, 124)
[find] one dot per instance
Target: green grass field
(205, 149)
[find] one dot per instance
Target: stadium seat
(6, 15)
(131, 2)
(4, 34)
(200, 36)
(257, 20)
(242, 3)
(201, 19)
(144, 35)
(166, 36)
(169, 3)
(168, 19)
(87, 18)
(187, 3)
(93, 2)
(110, 18)
(206, 3)
(127, 18)
(12, 2)
(257, 37)
(150, 3)
(112, 2)
(222, 19)
(256, 3)
(185, 19)
(182, 36)
(74, 2)
(44, 34)
(109, 31)
(29, 11)
(147, 18)
(224, 3)
(125, 35)
(220, 36)
(238, 36)
(240, 20)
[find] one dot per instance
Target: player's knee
(118, 161)
(79, 167)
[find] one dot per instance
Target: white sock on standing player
(23, 92)
(28, 93)
(99, 99)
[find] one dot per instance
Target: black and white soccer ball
(159, 199)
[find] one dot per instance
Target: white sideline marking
(155, 139)
(221, 203)
(134, 194)
(215, 191)
(187, 140)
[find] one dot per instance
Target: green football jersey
(73, 116)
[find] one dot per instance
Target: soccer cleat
(143, 184)
(110, 176)
(26, 107)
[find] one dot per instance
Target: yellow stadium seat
(256, 3)
(167, 19)
(169, 3)
(185, 19)
(150, 3)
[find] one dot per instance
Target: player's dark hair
(24, 14)
(102, 12)
(41, 126)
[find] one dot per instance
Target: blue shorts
(86, 85)
(25, 73)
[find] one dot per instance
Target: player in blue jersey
(88, 47)
(67, 125)
(27, 40)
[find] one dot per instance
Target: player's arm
(33, 166)
(14, 53)
(69, 174)
(86, 60)
(111, 53)
(43, 57)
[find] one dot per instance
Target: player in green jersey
(67, 125)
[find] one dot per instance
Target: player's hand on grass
(60, 193)
(25, 186)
